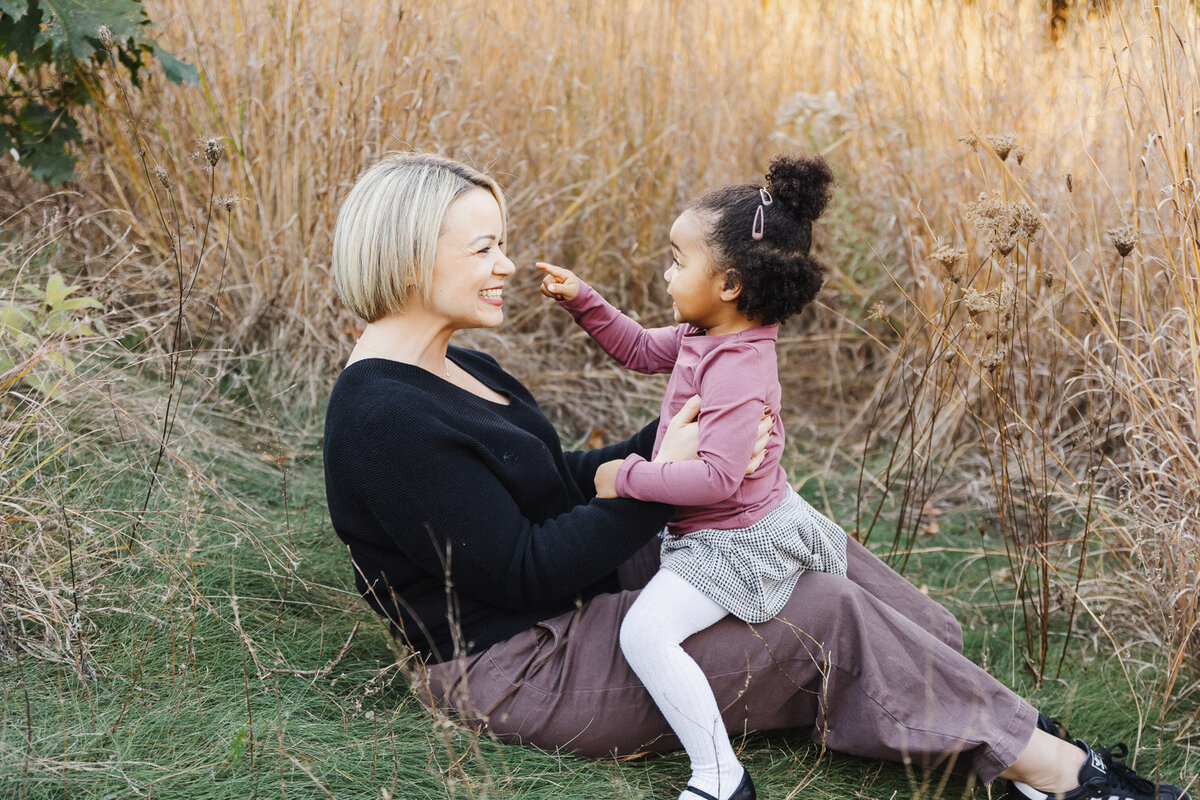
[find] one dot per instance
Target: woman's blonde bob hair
(385, 239)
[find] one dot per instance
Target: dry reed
(601, 119)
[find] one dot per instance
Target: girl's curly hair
(777, 274)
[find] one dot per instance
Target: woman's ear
(733, 285)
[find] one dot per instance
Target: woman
(486, 547)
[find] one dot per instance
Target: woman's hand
(682, 439)
(606, 479)
(765, 426)
(559, 283)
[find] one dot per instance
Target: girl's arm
(640, 349)
(733, 389)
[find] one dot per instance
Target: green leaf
(14, 319)
(76, 303)
(44, 385)
(22, 35)
(15, 8)
(42, 148)
(176, 71)
(56, 290)
(73, 26)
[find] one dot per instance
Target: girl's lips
(494, 297)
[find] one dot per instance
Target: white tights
(666, 612)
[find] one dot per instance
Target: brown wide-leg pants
(867, 662)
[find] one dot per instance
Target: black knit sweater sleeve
(463, 519)
(584, 463)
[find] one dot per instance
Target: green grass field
(226, 654)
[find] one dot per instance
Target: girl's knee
(637, 633)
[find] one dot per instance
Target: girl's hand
(559, 283)
(682, 439)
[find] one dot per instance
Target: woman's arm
(583, 463)
(452, 504)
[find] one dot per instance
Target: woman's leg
(880, 580)
(864, 677)
(668, 611)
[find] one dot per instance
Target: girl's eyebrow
(493, 237)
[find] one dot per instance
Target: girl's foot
(744, 791)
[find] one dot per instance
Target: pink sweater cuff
(622, 481)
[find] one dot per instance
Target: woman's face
(470, 266)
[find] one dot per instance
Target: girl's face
(697, 290)
(470, 266)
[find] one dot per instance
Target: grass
(228, 655)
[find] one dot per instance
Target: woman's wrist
(606, 479)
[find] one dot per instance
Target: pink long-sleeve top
(736, 376)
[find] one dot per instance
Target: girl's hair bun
(801, 183)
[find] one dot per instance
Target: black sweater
(465, 519)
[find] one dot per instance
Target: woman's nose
(670, 273)
(505, 265)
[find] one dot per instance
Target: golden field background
(1066, 409)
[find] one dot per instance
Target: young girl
(738, 543)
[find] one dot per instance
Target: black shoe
(1053, 727)
(744, 791)
(1103, 776)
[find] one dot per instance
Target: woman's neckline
(444, 379)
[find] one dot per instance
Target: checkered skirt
(751, 571)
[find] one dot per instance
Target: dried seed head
(986, 210)
(1006, 303)
(992, 359)
(949, 257)
(1089, 318)
(1067, 180)
(971, 326)
(213, 150)
(978, 302)
(1019, 154)
(1000, 223)
(1004, 237)
(1124, 239)
(1002, 143)
(876, 312)
(106, 39)
(228, 201)
(162, 176)
(1028, 220)
(971, 141)
(1047, 277)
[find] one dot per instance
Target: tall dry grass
(601, 119)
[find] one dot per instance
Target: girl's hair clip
(765, 199)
